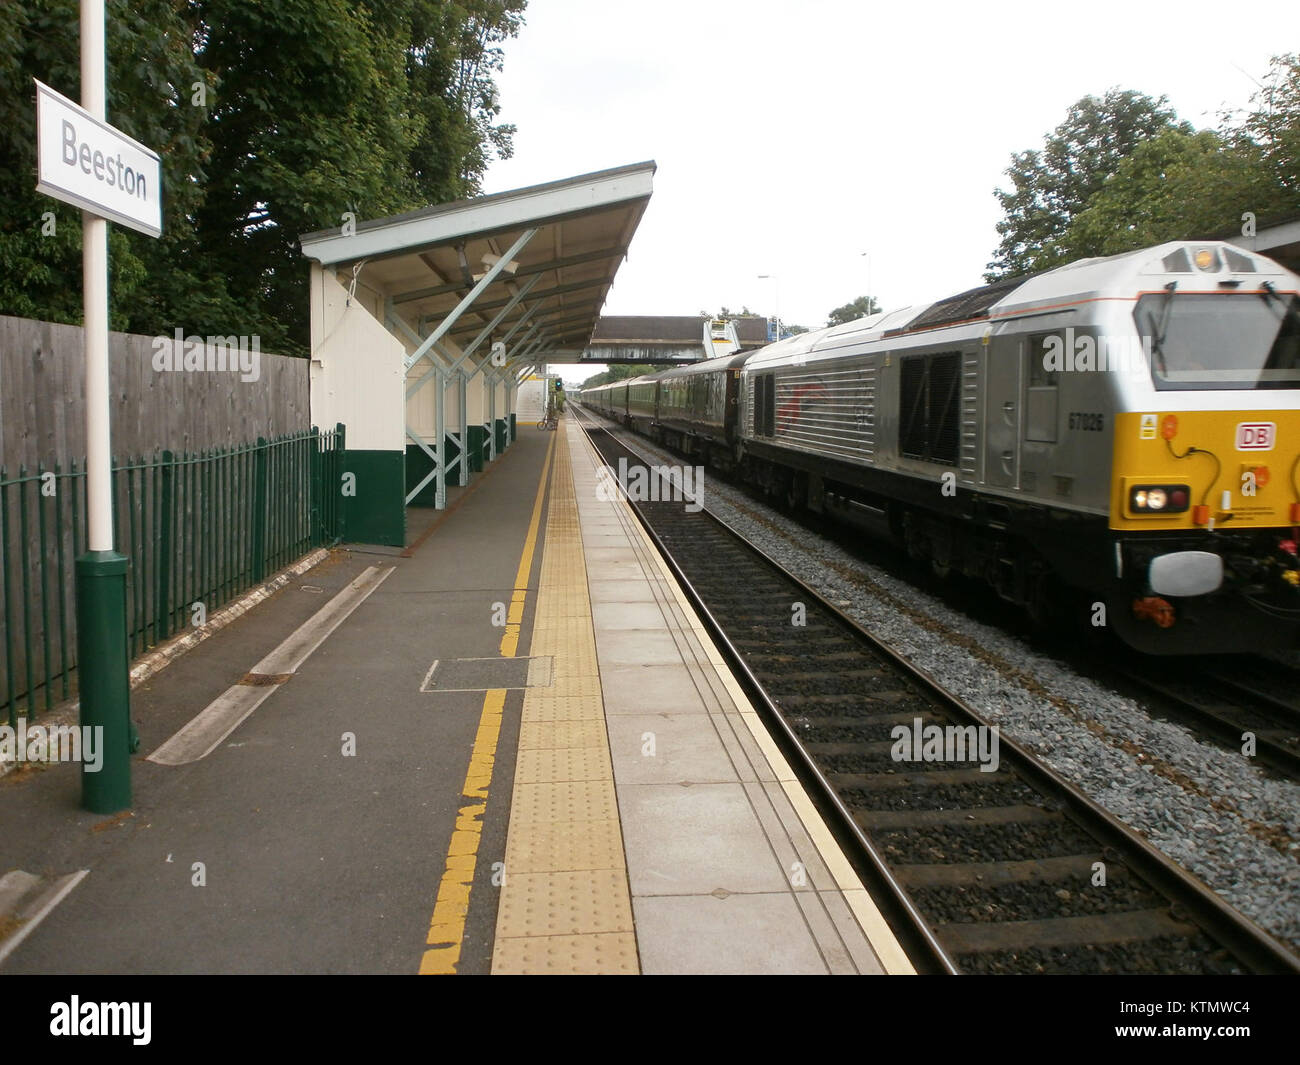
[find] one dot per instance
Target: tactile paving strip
(608, 953)
(565, 800)
(566, 846)
(552, 733)
(565, 905)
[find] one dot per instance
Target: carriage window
(929, 415)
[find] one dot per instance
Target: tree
(1180, 185)
(1052, 185)
(622, 371)
(454, 52)
(1173, 187)
(1274, 126)
(272, 119)
(150, 71)
(859, 308)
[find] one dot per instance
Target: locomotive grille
(828, 412)
(969, 416)
(931, 408)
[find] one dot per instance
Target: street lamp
(867, 255)
(776, 300)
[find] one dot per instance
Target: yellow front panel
(1270, 441)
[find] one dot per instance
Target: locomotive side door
(1003, 413)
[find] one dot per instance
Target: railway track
(1225, 703)
(1008, 871)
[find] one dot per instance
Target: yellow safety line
(447, 927)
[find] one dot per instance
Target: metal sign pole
(101, 572)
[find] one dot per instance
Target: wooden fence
(187, 449)
(43, 398)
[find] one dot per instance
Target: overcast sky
(791, 137)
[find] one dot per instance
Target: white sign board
(88, 163)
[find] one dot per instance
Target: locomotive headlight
(1158, 499)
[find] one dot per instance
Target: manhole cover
(480, 674)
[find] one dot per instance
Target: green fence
(198, 529)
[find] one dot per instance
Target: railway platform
(509, 747)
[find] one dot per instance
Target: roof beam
(523, 271)
(469, 298)
(587, 307)
(547, 293)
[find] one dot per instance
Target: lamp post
(776, 300)
(867, 255)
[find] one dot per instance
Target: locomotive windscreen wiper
(1289, 316)
(1158, 340)
(1288, 306)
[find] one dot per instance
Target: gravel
(1209, 809)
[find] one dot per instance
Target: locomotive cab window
(929, 415)
(1231, 340)
(1042, 406)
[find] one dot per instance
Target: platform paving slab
(723, 873)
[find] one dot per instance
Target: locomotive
(1116, 439)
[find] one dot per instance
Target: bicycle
(551, 420)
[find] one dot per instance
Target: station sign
(91, 165)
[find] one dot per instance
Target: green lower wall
(477, 437)
(417, 465)
(513, 435)
(377, 513)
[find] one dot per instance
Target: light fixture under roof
(490, 261)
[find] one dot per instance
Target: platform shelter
(423, 324)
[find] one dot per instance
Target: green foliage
(149, 64)
(1051, 186)
(621, 371)
(1172, 187)
(850, 312)
(1082, 195)
(313, 108)
(1273, 127)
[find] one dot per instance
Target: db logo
(1256, 436)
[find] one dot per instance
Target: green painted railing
(198, 529)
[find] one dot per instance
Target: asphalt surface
(313, 861)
